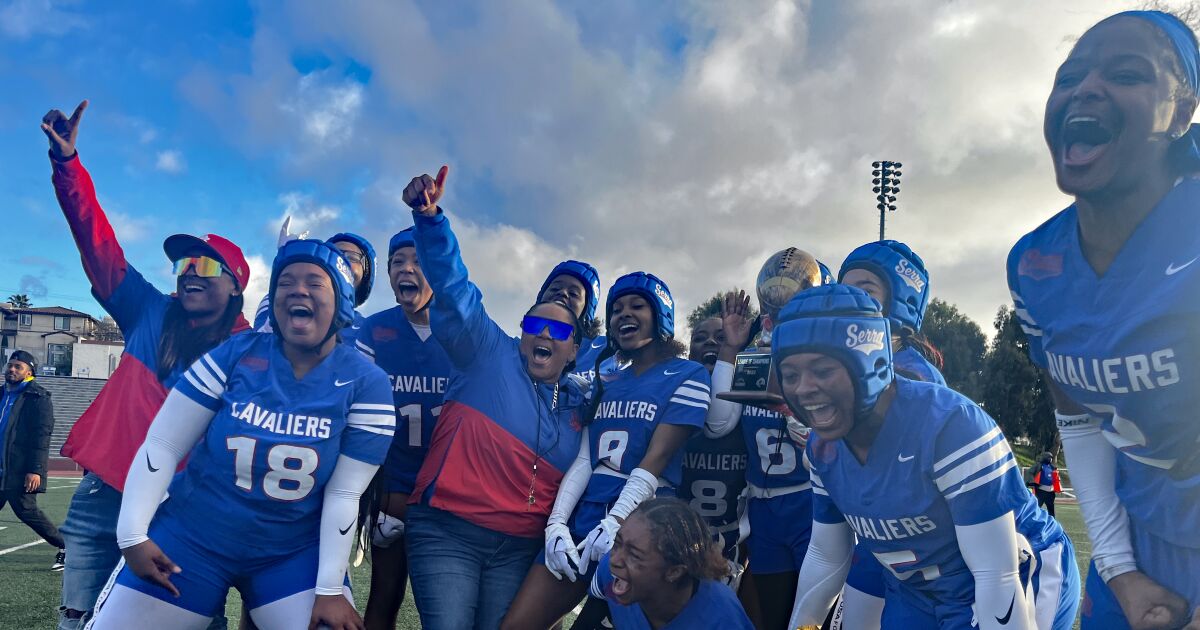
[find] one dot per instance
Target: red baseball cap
(178, 246)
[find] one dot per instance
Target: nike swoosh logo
(149, 465)
(670, 373)
(343, 531)
(1172, 269)
(903, 458)
(1008, 615)
(600, 345)
(341, 383)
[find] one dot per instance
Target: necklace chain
(537, 449)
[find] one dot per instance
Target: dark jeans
(463, 575)
(24, 505)
(1046, 499)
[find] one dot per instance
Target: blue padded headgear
(903, 270)
(326, 256)
(845, 323)
(585, 274)
(364, 290)
(654, 290)
(403, 238)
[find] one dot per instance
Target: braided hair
(910, 338)
(683, 538)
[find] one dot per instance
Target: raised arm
(736, 323)
(457, 316)
(103, 260)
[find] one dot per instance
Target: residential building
(49, 333)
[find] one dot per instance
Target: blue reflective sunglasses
(534, 325)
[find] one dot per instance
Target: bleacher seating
(71, 397)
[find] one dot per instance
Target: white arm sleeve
(826, 563)
(176, 428)
(573, 483)
(992, 553)
(723, 415)
(1093, 463)
(339, 515)
(640, 486)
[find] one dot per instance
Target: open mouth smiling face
(819, 389)
(1113, 106)
(632, 320)
(303, 304)
(546, 357)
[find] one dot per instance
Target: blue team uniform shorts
(261, 576)
(780, 528)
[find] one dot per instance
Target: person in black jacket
(26, 422)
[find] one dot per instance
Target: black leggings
(1046, 499)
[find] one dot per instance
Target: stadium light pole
(886, 180)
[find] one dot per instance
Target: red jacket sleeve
(103, 260)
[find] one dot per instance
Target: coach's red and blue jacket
(107, 435)
(496, 422)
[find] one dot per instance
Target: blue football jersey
(418, 372)
(585, 359)
(775, 460)
(257, 477)
(938, 461)
(675, 391)
(713, 605)
(1126, 345)
(914, 365)
(714, 476)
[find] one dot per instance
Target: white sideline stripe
(75, 479)
(20, 547)
(58, 487)
(4, 527)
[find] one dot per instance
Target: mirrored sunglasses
(204, 266)
(559, 331)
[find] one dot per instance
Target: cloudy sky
(689, 139)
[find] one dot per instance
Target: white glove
(599, 541)
(386, 530)
(561, 556)
(797, 431)
(285, 235)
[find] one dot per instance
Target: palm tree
(20, 300)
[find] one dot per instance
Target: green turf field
(29, 591)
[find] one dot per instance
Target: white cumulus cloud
(691, 139)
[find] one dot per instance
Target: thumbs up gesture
(423, 193)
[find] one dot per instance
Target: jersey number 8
(278, 457)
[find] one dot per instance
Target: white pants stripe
(1050, 584)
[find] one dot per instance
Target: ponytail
(910, 338)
